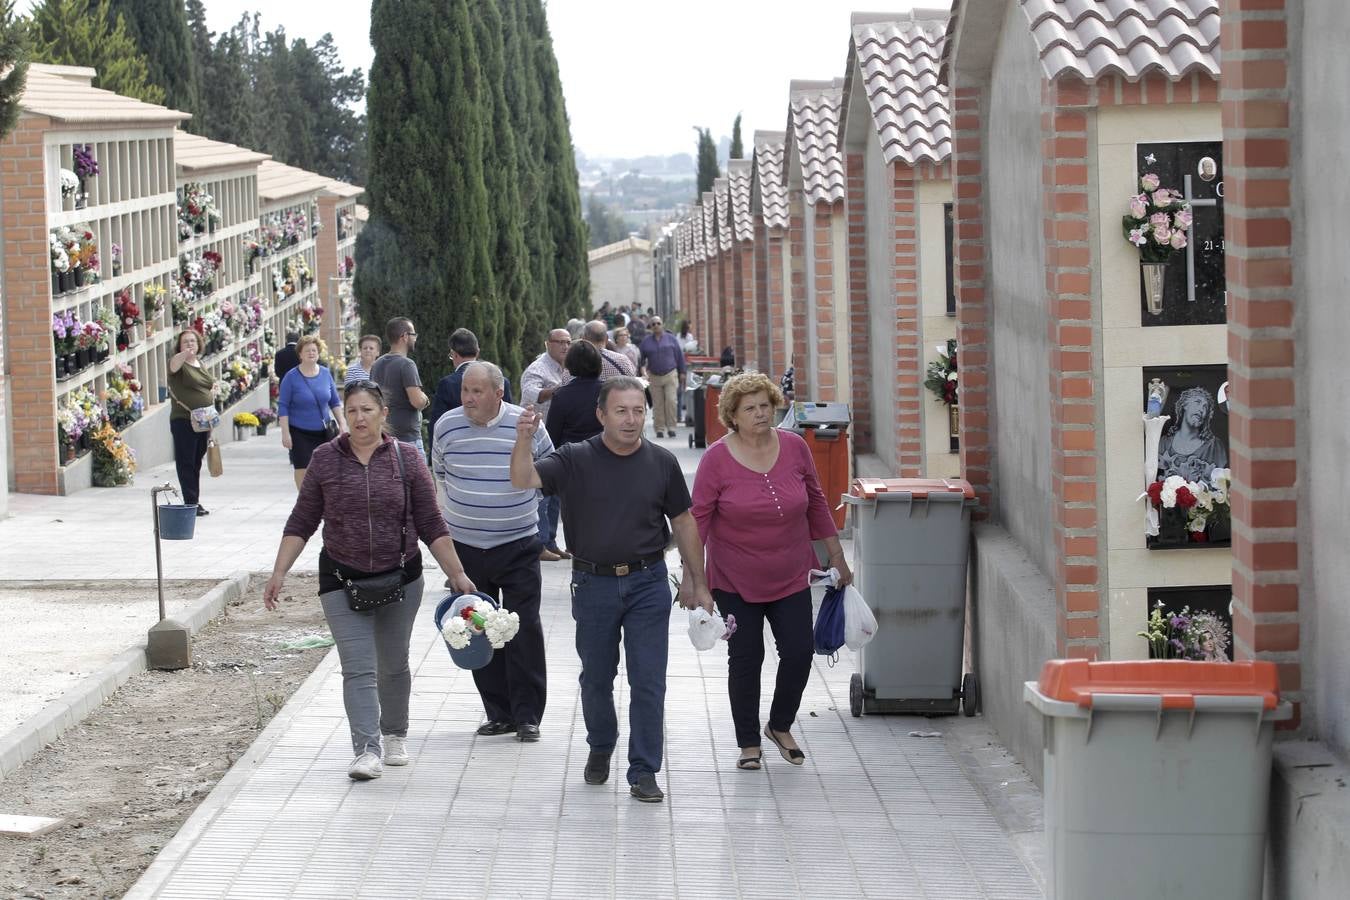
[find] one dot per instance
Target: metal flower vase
(1154, 274)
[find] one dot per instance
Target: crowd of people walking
(486, 496)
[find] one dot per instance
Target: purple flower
(1160, 220)
(85, 164)
(1150, 182)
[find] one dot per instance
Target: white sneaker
(395, 750)
(365, 767)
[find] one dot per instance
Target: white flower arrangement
(70, 183)
(498, 625)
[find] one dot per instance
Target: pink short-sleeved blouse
(758, 526)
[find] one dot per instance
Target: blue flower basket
(479, 651)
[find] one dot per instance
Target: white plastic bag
(860, 626)
(705, 628)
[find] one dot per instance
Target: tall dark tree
(570, 240)
(737, 147)
(506, 319)
(708, 172)
(86, 33)
(426, 251)
(226, 93)
(160, 30)
(13, 66)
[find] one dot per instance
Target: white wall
(880, 301)
(622, 281)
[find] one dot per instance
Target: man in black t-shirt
(618, 569)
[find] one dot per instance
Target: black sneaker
(597, 767)
(646, 790)
(203, 511)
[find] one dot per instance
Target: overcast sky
(638, 76)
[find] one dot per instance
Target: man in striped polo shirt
(496, 532)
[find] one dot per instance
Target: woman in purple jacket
(354, 487)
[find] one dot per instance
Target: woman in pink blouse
(759, 506)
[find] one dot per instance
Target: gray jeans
(373, 649)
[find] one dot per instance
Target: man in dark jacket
(287, 357)
(463, 350)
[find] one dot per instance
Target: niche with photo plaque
(1186, 456)
(1194, 287)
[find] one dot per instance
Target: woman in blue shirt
(306, 402)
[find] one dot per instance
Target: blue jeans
(549, 507)
(638, 605)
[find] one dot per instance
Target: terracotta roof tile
(898, 64)
(768, 193)
(1130, 38)
(814, 122)
(738, 181)
(722, 201)
(708, 238)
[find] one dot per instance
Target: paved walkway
(874, 812)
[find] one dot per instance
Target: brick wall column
(1254, 90)
(972, 305)
(747, 351)
(822, 241)
(706, 324)
(728, 310)
(775, 303)
(761, 298)
(859, 313)
(325, 269)
(1074, 444)
(797, 352)
(908, 319)
(28, 310)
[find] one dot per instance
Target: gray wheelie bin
(910, 549)
(1157, 776)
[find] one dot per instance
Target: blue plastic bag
(829, 633)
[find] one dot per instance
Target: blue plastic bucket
(479, 651)
(177, 521)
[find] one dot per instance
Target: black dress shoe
(203, 511)
(646, 790)
(597, 767)
(490, 729)
(527, 734)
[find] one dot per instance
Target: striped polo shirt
(472, 465)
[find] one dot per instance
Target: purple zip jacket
(360, 505)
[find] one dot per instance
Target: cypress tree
(708, 172)
(14, 65)
(425, 252)
(570, 238)
(80, 33)
(506, 319)
(737, 147)
(160, 30)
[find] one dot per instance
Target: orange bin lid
(868, 488)
(1178, 681)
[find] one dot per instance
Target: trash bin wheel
(855, 695)
(970, 694)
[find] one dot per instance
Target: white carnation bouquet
(498, 625)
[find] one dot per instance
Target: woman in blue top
(306, 402)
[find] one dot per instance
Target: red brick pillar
(1254, 90)
(747, 351)
(822, 238)
(859, 315)
(775, 303)
(28, 310)
(908, 319)
(729, 312)
(1074, 443)
(972, 306)
(798, 353)
(325, 271)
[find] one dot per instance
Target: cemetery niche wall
(1193, 286)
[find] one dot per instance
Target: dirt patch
(129, 776)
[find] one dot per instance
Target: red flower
(1185, 499)
(1199, 537)
(1155, 493)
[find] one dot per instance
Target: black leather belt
(591, 568)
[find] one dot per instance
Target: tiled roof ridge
(815, 121)
(899, 61)
(1129, 38)
(708, 233)
(767, 176)
(738, 181)
(722, 204)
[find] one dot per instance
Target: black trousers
(790, 619)
(514, 686)
(189, 449)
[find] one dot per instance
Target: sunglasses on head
(364, 384)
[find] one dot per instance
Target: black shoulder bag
(370, 593)
(330, 425)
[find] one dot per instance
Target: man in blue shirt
(463, 350)
(663, 361)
